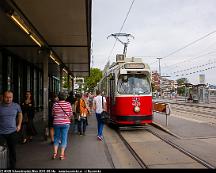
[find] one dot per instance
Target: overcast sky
(159, 27)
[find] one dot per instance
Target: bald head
(8, 97)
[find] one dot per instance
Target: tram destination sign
(134, 66)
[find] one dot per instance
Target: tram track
(167, 141)
(181, 149)
(132, 151)
(205, 114)
(191, 105)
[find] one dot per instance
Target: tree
(65, 81)
(182, 81)
(153, 87)
(93, 79)
(181, 88)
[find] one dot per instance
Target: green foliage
(93, 79)
(153, 87)
(65, 81)
(181, 81)
(181, 88)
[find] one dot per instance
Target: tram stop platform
(183, 127)
(86, 152)
(82, 152)
(195, 136)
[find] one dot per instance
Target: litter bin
(3, 157)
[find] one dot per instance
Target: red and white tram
(127, 87)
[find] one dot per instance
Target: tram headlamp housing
(136, 109)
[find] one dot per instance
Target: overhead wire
(189, 44)
(210, 62)
(193, 42)
(121, 29)
(186, 61)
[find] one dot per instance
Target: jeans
(75, 126)
(100, 125)
(82, 125)
(10, 140)
(61, 134)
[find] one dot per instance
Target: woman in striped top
(62, 112)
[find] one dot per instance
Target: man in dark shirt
(10, 124)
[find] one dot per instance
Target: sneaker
(100, 138)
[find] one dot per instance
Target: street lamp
(159, 65)
(159, 73)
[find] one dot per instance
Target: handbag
(104, 115)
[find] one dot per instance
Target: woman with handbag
(62, 112)
(99, 106)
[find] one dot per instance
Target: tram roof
(64, 26)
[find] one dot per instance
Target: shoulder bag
(104, 115)
(65, 112)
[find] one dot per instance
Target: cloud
(159, 28)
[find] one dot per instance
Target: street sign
(76, 86)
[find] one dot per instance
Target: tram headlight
(136, 109)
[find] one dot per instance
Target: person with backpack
(81, 110)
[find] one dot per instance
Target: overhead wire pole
(159, 65)
(159, 72)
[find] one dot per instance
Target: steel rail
(199, 160)
(132, 151)
(192, 105)
(208, 114)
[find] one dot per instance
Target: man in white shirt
(99, 108)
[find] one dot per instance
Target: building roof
(63, 26)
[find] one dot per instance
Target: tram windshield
(134, 84)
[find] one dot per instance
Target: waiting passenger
(62, 112)
(190, 98)
(82, 113)
(99, 108)
(28, 128)
(10, 124)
